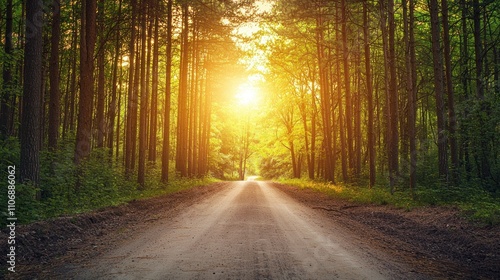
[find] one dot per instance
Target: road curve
(250, 230)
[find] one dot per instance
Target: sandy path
(249, 230)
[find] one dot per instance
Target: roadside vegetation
(101, 180)
(473, 201)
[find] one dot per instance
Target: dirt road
(248, 230)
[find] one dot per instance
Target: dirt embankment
(436, 240)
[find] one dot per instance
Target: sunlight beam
(247, 94)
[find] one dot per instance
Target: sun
(247, 94)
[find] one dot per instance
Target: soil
(435, 241)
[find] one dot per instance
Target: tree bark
(439, 90)
(369, 93)
(411, 77)
(72, 89)
(154, 92)
(347, 87)
(32, 92)
(450, 92)
(143, 100)
(131, 100)
(325, 98)
(341, 122)
(393, 99)
(478, 47)
(87, 44)
(100, 124)
(182, 115)
(54, 105)
(168, 94)
(114, 87)
(5, 107)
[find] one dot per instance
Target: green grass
(89, 199)
(102, 183)
(475, 203)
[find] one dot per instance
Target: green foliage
(475, 203)
(9, 154)
(69, 189)
(377, 195)
(275, 166)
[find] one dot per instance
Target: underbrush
(474, 202)
(66, 189)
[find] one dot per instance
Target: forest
(107, 101)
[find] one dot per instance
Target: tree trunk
(32, 91)
(347, 87)
(168, 94)
(411, 77)
(118, 113)
(134, 102)
(72, 90)
(478, 49)
(100, 125)
(313, 129)
(464, 77)
(482, 145)
(87, 44)
(341, 122)
(450, 92)
(358, 103)
(369, 93)
(143, 100)
(192, 108)
(54, 105)
(439, 90)
(325, 98)
(393, 99)
(131, 100)
(154, 93)
(114, 87)
(182, 116)
(5, 108)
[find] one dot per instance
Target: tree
(7, 86)
(324, 93)
(154, 91)
(113, 106)
(32, 93)
(439, 90)
(393, 99)
(449, 91)
(130, 130)
(54, 106)
(101, 56)
(411, 77)
(347, 85)
(182, 115)
(168, 94)
(87, 44)
(143, 99)
(369, 93)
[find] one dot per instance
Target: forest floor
(434, 241)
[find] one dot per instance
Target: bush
(475, 202)
(67, 189)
